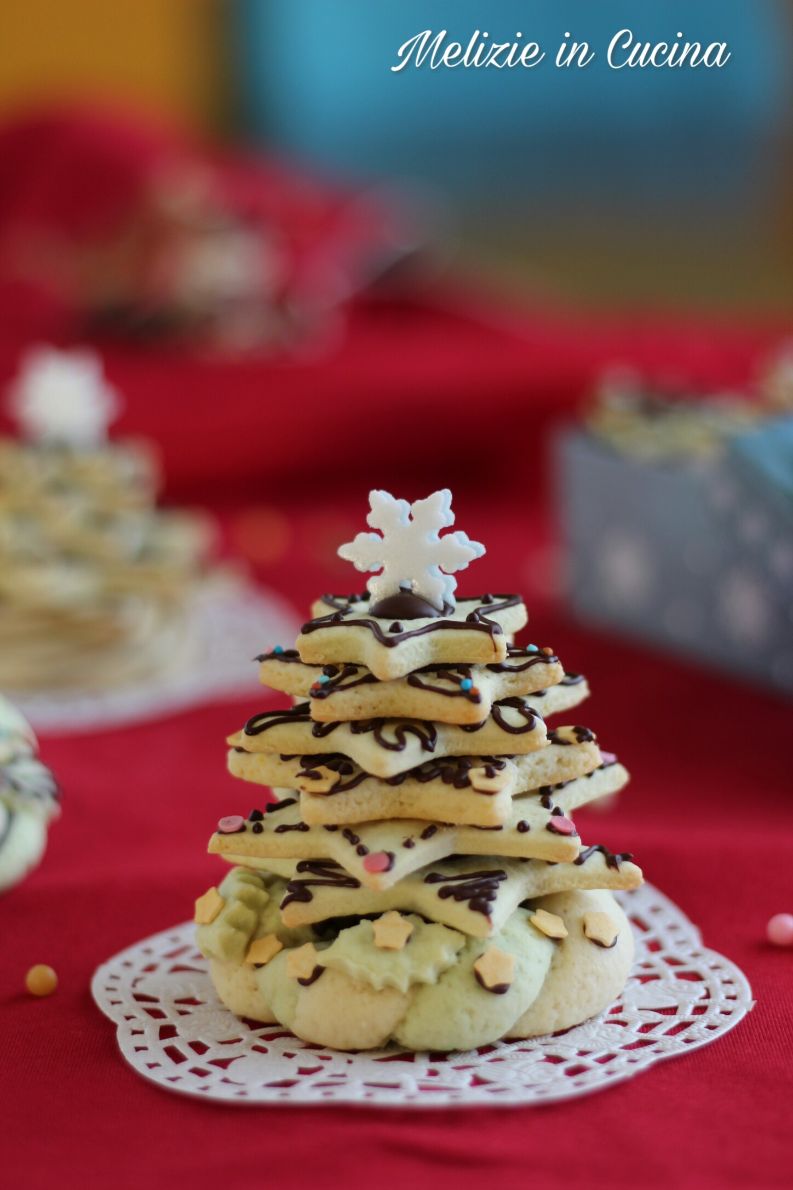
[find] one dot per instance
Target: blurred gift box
(677, 520)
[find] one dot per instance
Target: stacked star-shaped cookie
(93, 576)
(411, 870)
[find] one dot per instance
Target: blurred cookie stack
(93, 576)
(29, 798)
(418, 877)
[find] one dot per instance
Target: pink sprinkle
(378, 861)
(561, 825)
(608, 757)
(780, 929)
(231, 824)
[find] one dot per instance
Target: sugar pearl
(41, 980)
(378, 861)
(780, 929)
(231, 824)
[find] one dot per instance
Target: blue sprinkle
(466, 684)
(532, 648)
(322, 679)
(278, 649)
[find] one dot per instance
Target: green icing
(280, 992)
(457, 1013)
(430, 950)
(250, 912)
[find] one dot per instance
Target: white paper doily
(173, 1030)
(229, 624)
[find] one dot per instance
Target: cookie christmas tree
(411, 871)
(93, 577)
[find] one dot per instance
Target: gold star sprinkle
(601, 929)
(263, 949)
(208, 907)
(391, 931)
(494, 970)
(548, 923)
(488, 779)
(301, 963)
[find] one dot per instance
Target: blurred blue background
(664, 187)
(315, 81)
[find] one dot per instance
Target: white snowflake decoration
(62, 397)
(409, 550)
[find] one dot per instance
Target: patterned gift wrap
(695, 555)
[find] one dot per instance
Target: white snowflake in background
(409, 548)
(63, 397)
(744, 609)
(625, 568)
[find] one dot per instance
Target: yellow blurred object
(41, 980)
(165, 56)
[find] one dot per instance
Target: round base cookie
(400, 978)
(585, 976)
(238, 988)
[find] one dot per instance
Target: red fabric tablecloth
(709, 813)
(417, 385)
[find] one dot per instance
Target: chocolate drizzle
(475, 621)
(583, 735)
(262, 722)
(613, 860)
(380, 729)
(497, 989)
(545, 791)
(287, 801)
(529, 716)
(452, 676)
(479, 889)
(320, 873)
(341, 677)
(312, 978)
(425, 732)
(445, 680)
(355, 841)
(451, 770)
(288, 656)
(349, 776)
(520, 659)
